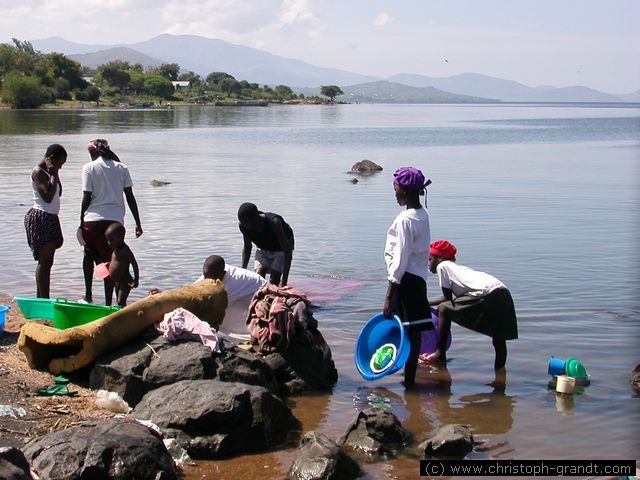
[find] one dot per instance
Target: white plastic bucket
(565, 384)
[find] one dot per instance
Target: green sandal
(61, 387)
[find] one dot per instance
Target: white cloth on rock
(181, 323)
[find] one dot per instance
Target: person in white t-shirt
(240, 285)
(473, 299)
(406, 256)
(106, 183)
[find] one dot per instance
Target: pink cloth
(181, 323)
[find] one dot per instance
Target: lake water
(545, 197)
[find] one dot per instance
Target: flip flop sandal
(61, 387)
(427, 358)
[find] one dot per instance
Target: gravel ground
(25, 414)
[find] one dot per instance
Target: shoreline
(170, 106)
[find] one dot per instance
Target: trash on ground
(111, 401)
(14, 412)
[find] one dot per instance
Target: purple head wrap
(411, 178)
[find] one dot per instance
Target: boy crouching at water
(482, 303)
(121, 258)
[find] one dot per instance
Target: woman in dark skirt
(406, 256)
(44, 234)
(482, 303)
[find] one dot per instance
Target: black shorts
(42, 228)
(410, 302)
(493, 315)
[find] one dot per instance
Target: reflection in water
(486, 413)
(377, 397)
(565, 403)
(431, 405)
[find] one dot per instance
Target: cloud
(220, 16)
(250, 22)
(297, 17)
(383, 19)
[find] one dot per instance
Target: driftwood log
(68, 350)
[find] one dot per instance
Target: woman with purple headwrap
(406, 255)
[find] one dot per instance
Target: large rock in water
(634, 379)
(13, 464)
(115, 449)
(320, 458)
(374, 432)
(136, 369)
(213, 419)
(450, 441)
(365, 167)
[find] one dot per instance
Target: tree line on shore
(30, 78)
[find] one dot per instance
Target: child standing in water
(406, 255)
(121, 258)
(482, 303)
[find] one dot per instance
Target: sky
(536, 42)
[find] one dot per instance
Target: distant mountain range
(130, 55)
(203, 56)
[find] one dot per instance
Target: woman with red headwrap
(406, 255)
(482, 303)
(105, 179)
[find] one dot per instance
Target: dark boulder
(374, 432)
(214, 419)
(148, 364)
(111, 449)
(320, 458)
(13, 464)
(450, 441)
(365, 167)
(158, 183)
(634, 379)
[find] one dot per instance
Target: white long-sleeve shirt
(407, 246)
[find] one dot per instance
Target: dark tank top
(267, 239)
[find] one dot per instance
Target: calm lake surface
(545, 197)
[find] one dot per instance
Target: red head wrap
(444, 249)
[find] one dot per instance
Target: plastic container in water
(574, 368)
(556, 366)
(71, 314)
(3, 315)
(565, 384)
